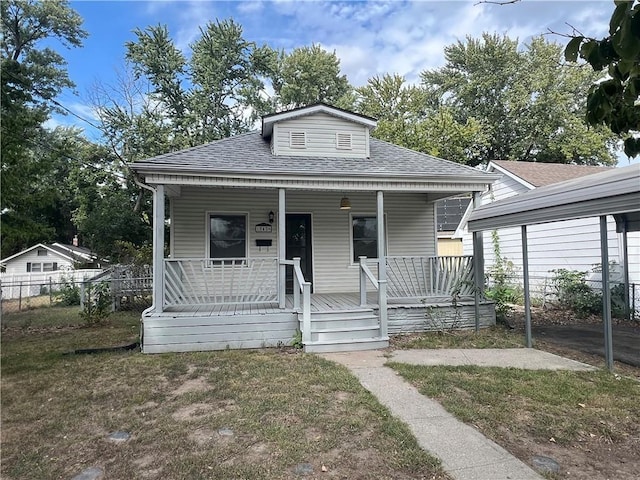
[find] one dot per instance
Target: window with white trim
(364, 230)
(37, 267)
(343, 141)
(297, 139)
(227, 235)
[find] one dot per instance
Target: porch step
(337, 321)
(341, 314)
(344, 333)
(347, 345)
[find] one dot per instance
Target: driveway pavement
(590, 339)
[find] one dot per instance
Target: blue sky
(369, 37)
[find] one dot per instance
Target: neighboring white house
(44, 258)
(26, 273)
(313, 185)
(571, 244)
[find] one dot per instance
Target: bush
(573, 292)
(97, 304)
(500, 289)
(69, 294)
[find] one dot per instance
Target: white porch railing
(301, 286)
(212, 281)
(416, 277)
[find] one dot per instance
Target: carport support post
(282, 252)
(382, 265)
(527, 299)
(625, 269)
(478, 265)
(606, 293)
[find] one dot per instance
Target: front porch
(211, 304)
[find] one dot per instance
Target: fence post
(82, 294)
(50, 293)
(20, 296)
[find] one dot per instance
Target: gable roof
(537, 174)
(68, 252)
(269, 120)
(615, 191)
(250, 153)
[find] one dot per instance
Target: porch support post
(382, 266)
(282, 252)
(478, 266)
(527, 299)
(158, 248)
(606, 293)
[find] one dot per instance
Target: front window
(365, 237)
(227, 236)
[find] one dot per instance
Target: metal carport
(615, 192)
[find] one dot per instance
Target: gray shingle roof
(542, 174)
(250, 153)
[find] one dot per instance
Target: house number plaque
(263, 228)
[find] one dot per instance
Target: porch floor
(320, 302)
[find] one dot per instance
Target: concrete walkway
(465, 453)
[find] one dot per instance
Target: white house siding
(320, 130)
(571, 244)
(18, 265)
(409, 218)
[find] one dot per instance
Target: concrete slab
(525, 358)
(465, 453)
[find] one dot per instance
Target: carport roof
(615, 192)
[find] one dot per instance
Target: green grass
(492, 337)
(283, 408)
(596, 410)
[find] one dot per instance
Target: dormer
(318, 130)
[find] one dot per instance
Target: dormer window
(298, 139)
(343, 141)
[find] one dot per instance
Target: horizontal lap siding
(19, 264)
(167, 334)
(438, 317)
(410, 224)
(320, 130)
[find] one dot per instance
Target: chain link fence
(129, 289)
(544, 292)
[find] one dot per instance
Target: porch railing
(301, 286)
(212, 281)
(411, 277)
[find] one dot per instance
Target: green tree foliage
(529, 104)
(308, 75)
(409, 116)
(32, 76)
(614, 101)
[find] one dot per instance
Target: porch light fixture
(345, 203)
(272, 216)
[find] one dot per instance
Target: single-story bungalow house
(308, 229)
(49, 258)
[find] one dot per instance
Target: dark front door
(298, 244)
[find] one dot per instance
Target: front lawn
(587, 421)
(231, 414)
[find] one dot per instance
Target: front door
(298, 244)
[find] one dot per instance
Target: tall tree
(614, 101)
(308, 75)
(530, 104)
(32, 76)
(409, 116)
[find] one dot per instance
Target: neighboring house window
(227, 236)
(343, 141)
(42, 252)
(34, 267)
(297, 140)
(365, 236)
